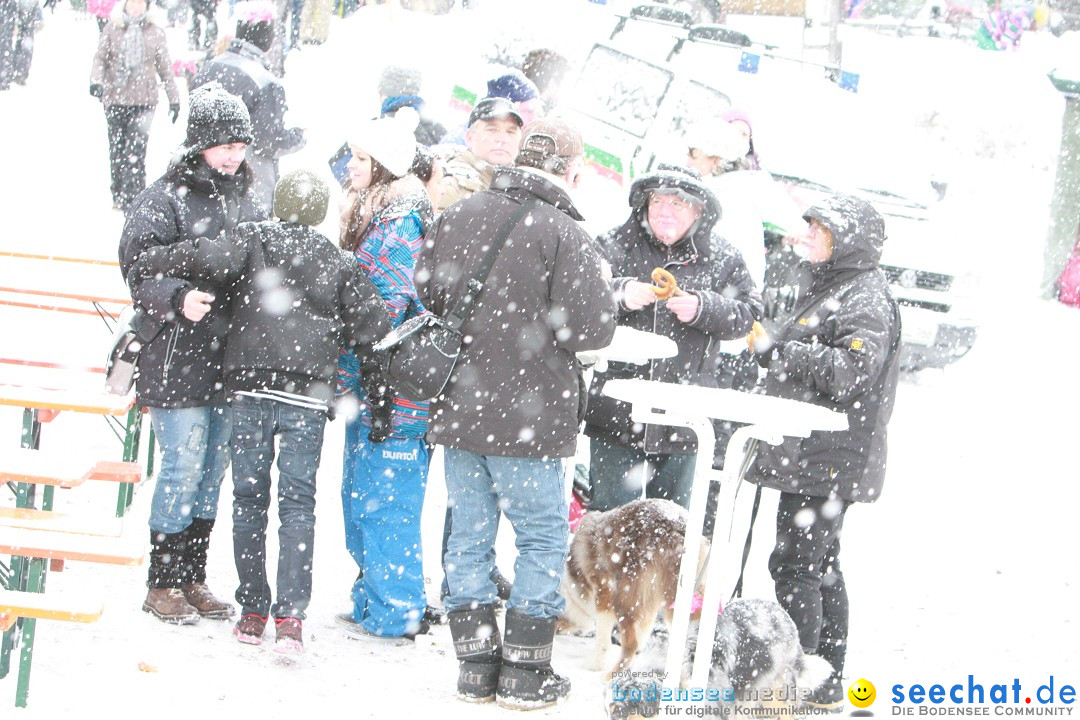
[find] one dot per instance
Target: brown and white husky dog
(623, 567)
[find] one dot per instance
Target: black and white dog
(757, 662)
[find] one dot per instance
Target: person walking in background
(386, 458)
(837, 349)
(9, 20)
(18, 24)
(244, 70)
(204, 193)
(547, 70)
(670, 227)
(505, 431)
(132, 58)
(740, 120)
(399, 87)
(280, 374)
(203, 15)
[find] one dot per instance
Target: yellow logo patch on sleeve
(804, 321)
(856, 344)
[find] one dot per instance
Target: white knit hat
(716, 138)
(388, 140)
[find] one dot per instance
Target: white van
(637, 92)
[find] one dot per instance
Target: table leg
(35, 582)
(725, 556)
(25, 493)
(22, 690)
(7, 642)
(132, 434)
(684, 591)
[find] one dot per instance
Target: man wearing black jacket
(671, 227)
(204, 193)
(509, 415)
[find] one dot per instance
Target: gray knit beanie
(398, 80)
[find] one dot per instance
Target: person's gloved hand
(765, 354)
(174, 112)
(97, 89)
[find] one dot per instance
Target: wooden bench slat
(116, 471)
(65, 295)
(101, 403)
(34, 466)
(50, 605)
(68, 546)
(33, 519)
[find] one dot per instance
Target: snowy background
(967, 565)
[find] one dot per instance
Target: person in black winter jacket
(670, 226)
(295, 299)
(204, 193)
(837, 349)
(244, 70)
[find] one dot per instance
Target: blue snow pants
(382, 495)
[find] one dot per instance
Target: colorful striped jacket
(387, 252)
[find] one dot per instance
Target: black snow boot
(164, 599)
(476, 642)
(527, 681)
(829, 697)
(193, 572)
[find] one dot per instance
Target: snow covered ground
(967, 565)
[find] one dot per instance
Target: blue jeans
(256, 422)
(615, 475)
(382, 496)
(529, 491)
(194, 456)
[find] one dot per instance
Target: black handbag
(423, 351)
(134, 329)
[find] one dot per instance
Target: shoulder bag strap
(457, 317)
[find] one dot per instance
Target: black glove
(174, 112)
(766, 357)
(97, 89)
(380, 399)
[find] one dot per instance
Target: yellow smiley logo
(862, 693)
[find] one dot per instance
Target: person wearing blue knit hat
(514, 86)
(399, 87)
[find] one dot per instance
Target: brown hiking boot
(169, 605)
(200, 598)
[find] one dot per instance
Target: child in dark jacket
(296, 299)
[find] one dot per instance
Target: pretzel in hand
(664, 284)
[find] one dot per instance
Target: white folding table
(766, 419)
(630, 345)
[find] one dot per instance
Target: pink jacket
(100, 8)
